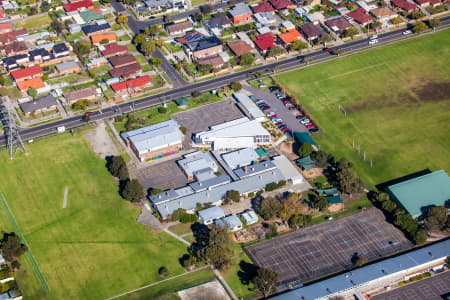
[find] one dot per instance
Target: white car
(270, 114)
(371, 42)
(262, 85)
(406, 32)
(374, 36)
(305, 121)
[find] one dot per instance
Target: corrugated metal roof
(240, 158)
(250, 106)
(231, 222)
(286, 167)
(210, 183)
(254, 169)
(197, 161)
(418, 194)
(211, 213)
(369, 273)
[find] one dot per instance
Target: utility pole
(13, 139)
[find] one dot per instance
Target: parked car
(406, 32)
(263, 85)
(292, 107)
(300, 117)
(270, 113)
(259, 101)
(286, 101)
(261, 104)
(252, 97)
(374, 36)
(305, 121)
(327, 49)
(267, 107)
(273, 116)
(285, 129)
(371, 42)
(274, 89)
(313, 129)
(309, 126)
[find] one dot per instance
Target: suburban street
(185, 90)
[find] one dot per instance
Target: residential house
(282, 4)
(264, 18)
(214, 61)
(404, 5)
(290, 36)
(239, 47)
(179, 28)
(245, 38)
(36, 37)
(310, 31)
(189, 37)
(262, 7)
(265, 41)
(60, 50)
(112, 49)
(78, 6)
(40, 55)
(422, 3)
(90, 16)
(316, 18)
(9, 37)
(36, 83)
(207, 46)
(68, 67)
(209, 215)
(126, 71)
(27, 73)
(42, 104)
(218, 21)
(122, 60)
(383, 14)
(87, 93)
(2, 13)
(342, 11)
(158, 5)
(132, 86)
(360, 16)
(338, 24)
(14, 48)
(97, 62)
(240, 14)
(74, 28)
(110, 37)
(5, 27)
(14, 62)
(303, 10)
(288, 25)
(101, 26)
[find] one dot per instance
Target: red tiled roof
(310, 30)
(30, 71)
(290, 36)
(239, 47)
(404, 5)
(37, 83)
(113, 48)
(126, 71)
(213, 61)
(9, 37)
(281, 4)
(339, 23)
(262, 7)
(121, 60)
(189, 37)
(360, 16)
(5, 26)
(132, 83)
(78, 5)
(422, 1)
(265, 41)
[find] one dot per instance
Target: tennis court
(329, 247)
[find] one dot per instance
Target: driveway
(277, 106)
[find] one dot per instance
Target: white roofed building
(240, 158)
(198, 165)
(155, 141)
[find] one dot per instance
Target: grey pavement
(277, 106)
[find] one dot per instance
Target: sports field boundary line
(156, 283)
(29, 254)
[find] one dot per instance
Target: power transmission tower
(13, 139)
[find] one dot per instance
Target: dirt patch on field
(433, 91)
(100, 141)
(207, 291)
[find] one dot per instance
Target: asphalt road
(175, 93)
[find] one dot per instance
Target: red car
(89, 113)
(286, 101)
(327, 49)
(309, 126)
(285, 129)
(299, 114)
(273, 116)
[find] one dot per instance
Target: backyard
(34, 22)
(397, 104)
(94, 248)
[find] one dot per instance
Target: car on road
(305, 121)
(280, 95)
(327, 49)
(374, 36)
(89, 113)
(371, 42)
(406, 32)
(309, 126)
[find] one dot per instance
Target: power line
(13, 139)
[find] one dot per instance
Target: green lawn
(181, 228)
(166, 290)
(94, 248)
(34, 22)
(397, 100)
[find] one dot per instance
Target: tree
(217, 251)
(152, 30)
(156, 61)
(198, 17)
(12, 246)
(389, 206)
(276, 51)
(293, 205)
(133, 191)
(420, 237)
(57, 26)
(348, 182)
(183, 129)
(343, 164)
(246, 59)
(416, 15)
(177, 214)
(155, 191)
(305, 149)
(397, 20)
(163, 272)
(325, 38)
(196, 94)
(186, 261)
(375, 24)
(162, 110)
(82, 48)
(360, 260)
(434, 23)
(270, 208)
(122, 19)
(236, 86)
(382, 197)
(115, 164)
(204, 68)
(320, 158)
(205, 9)
(436, 218)
(419, 27)
(148, 47)
(234, 195)
(350, 32)
(123, 173)
(104, 41)
(32, 92)
(298, 45)
(265, 281)
(140, 38)
(86, 118)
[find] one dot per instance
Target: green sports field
(397, 100)
(94, 248)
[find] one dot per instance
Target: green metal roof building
(89, 16)
(417, 195)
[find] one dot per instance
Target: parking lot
(165, 175)
(329, 247)
(434, 288)
(277, 106)
(199, 119)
